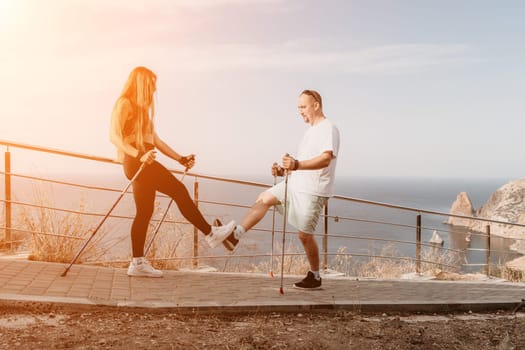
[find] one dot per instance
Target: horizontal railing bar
(161, 195)
(423, 211)
(481, 264)
(225, 204)
(89, 187)
(492, 251)
(57, 151)
(303, 254)
(474, 233)
(70, 211)
(112, 161)
(382, 222)
(393, 224)
(430, 245)
(72, 184)
(259, 229)
(428, 228)
(455, 232)
(400, 258)
(114, 216)
(397, 224)
(228, 180)
(368, 221)
(38, 233)
(268, 255)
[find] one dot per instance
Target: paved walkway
(191, 291)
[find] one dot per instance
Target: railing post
(325, 237)
(418, 244)
(8, 197)
(195, 260)
(487, 252)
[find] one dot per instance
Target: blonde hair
(139, 90)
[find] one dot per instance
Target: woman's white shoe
(219, 233)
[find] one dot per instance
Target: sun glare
(7, 8)
(6, 5)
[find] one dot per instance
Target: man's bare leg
(313, 278)
(264, 202)
(311, 249)
(254, 215)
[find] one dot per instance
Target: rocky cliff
(506, 204)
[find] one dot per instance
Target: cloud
(387, 59)
(380, 59)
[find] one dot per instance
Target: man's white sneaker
(143, 268)
(219, 233)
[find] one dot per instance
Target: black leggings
(155, 177)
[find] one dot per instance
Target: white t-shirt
(322, 137)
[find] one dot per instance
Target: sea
(354, 228)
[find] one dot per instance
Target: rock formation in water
(436, 238)
(461, 206)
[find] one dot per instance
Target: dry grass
(17, 239)
(57, 235)
(172, 241)
(381, 265)
(508, 273)
(388, 263)
(293, 264)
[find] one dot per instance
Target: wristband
(296, 164)
(139, 155)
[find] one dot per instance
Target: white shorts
(303, 209)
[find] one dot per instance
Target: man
(310, 184)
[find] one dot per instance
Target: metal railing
(327, 236)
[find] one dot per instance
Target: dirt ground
(25, 325)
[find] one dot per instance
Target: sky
(416, 88)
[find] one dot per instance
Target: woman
(132, 132)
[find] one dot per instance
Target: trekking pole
(284, 226)
(104, 219)
(157, 227)
(273, 230)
